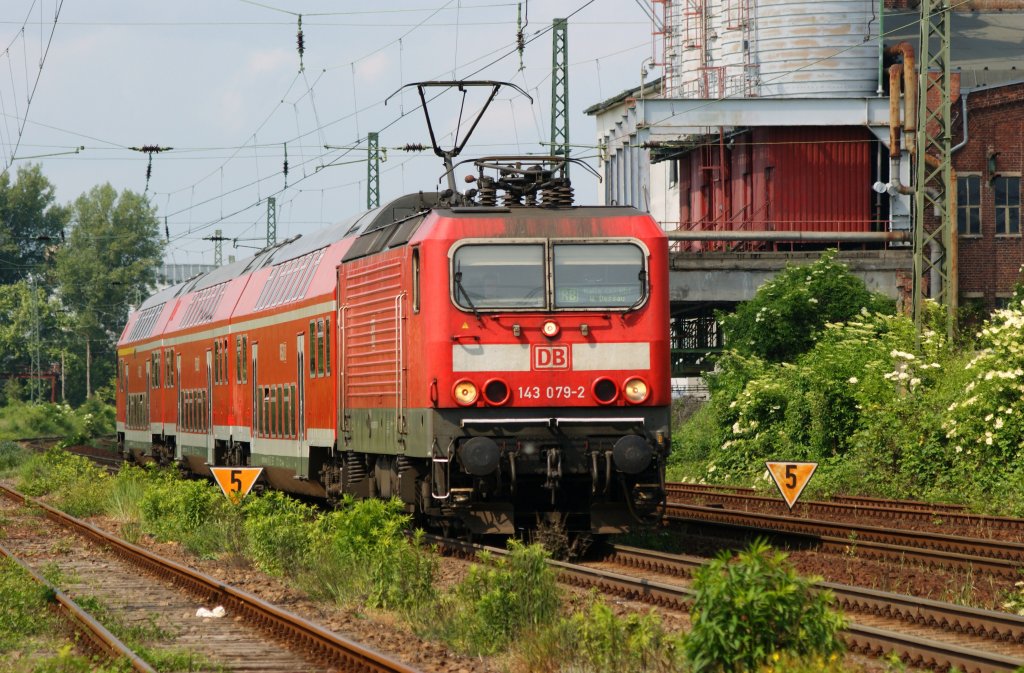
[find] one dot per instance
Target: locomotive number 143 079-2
(551, 392)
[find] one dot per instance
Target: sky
(222, 83)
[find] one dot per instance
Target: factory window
(1007, 197)
(673, 172)
(968, 205)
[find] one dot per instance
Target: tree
(109, 262)
(29, 320)
(31, 225)
(789, 311)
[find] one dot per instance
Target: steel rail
(876, 509)
(713, 489)
(867, 640)
(1004, 558)
(1000, 626)
(101, 640)
(315, 641)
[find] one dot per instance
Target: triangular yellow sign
(236, 482)
(791, 478)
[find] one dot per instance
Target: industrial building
(778, 129)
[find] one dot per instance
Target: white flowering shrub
(984, 427)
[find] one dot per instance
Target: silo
(826, 48)
(775, 48)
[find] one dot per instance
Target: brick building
(989, 160)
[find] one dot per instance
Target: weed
(23, 606)
(751, 606)
(362, 553)
(595, 639)
(501, 600)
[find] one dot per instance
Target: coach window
(320, 347)
(154, 370)
(312, 348)
(498, 276)
(327, 345)
(598, 275)
(245, 358)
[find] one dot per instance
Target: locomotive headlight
(636, 390)
(550, 329)
(465, 393)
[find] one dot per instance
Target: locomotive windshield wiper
(458, 284)
(642, 276)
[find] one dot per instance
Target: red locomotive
(490, 365)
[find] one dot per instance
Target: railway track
(884, 511)
(249, 641)
(95, 636)
(713, 489)
(921, 632)
(938, 550)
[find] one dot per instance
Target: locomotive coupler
(554, 471)
(607, 471)
(512, 455)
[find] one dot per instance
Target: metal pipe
(963, 110)
(896, 72)
(906, 50)
(799, 236)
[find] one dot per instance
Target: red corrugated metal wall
(779, 179)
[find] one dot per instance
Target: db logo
(550, 357)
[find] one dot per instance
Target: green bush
(278, 531)
(76, 484)
(23, 419)
(788, 312)
(754, 606)
(595, 639)
(363, 553)
(502, 601)
(23, 606)
(12, 455)
(194, 513)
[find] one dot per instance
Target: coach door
(149, 393)
(208, 407)
(256, 415)
(299, 403)
(179, 405)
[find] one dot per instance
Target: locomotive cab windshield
(549, 275)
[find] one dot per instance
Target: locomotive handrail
(551, 420)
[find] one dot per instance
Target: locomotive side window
(416, 281)
(155, 370)
(602, 275)
(245, 358)
(499, 276)
(327, 345)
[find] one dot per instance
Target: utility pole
(36, 368)
(935, 251)
(218, 252)
(271, 221)
(372, 170)
(560, 91)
